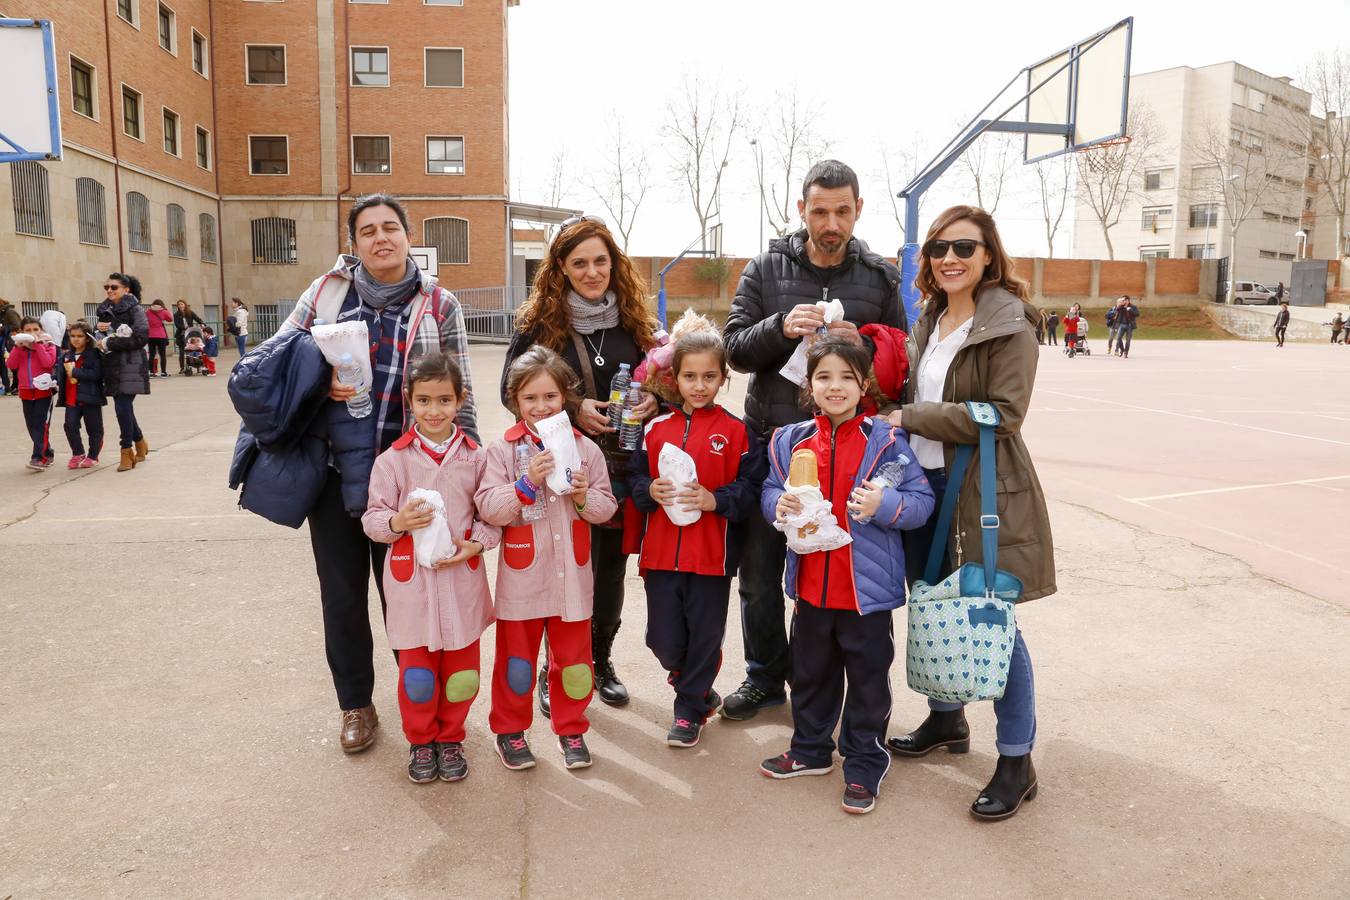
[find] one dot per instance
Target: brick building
(213, 147)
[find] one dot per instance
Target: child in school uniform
(544, 578)
(843, 598)
(687, 569)
(435, 615)
(80, 390)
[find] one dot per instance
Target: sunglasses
(112, 287)
(964, 248)
(567, 223)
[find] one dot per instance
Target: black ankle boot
(940, 729)
(544, 708)
(1014, 781)
(607, 683)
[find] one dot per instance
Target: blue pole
(661, 301)
(909, 257)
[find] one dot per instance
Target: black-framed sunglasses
(112, 287)
(964, 248)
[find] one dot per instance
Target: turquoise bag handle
(987, 417)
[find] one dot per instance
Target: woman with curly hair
(589, 305)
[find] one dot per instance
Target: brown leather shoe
(358, 728)
(142, 449)
(128, 461)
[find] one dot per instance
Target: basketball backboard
(427, 258)
(1085, 88)
(30, 118)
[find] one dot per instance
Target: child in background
(841, 623)
(544, 577)
(687, 569)
(435, 615)
(80, 391)
(211, 352)
(31, 361)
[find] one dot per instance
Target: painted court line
(1240, 487)
(141, 518)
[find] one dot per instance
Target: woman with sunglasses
(589, 305)
(126, 372)
(974, 341)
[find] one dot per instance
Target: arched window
(138, 222)
(207, 226)
(450, 237)
(274, 242)
(92, 212)
(177, 220)
(32, 198)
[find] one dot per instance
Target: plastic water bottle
(630, 432)
(349, 373)
(890, 475)
(530, 512)
(618, 390)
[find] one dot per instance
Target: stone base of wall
(1258, 324)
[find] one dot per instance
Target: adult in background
(126, 373)
(184, 318)
(1052, 327)
(1279, 292)
(240, 327)
(589, 305)
(1040, 327)
(9, 325)
(157, 317)
(1337, 325)
(974, 342)
(1113, 323)
(1127, 320)
(773, 310)
(1281, 324)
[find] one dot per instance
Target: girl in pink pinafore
(544, 579)
(435, 615)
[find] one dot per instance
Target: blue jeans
(241, 341)
(129, 430)
(1015, 733)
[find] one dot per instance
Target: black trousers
(610, 565)
(35, 414)
(1054, 337)
(768, 662)
(686, 621)
(92, 417)
(344, 558)
(831, 647)
(158, 347)
(5, 373)
(1279, 334)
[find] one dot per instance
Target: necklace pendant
(599, 361)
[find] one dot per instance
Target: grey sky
(882, 72)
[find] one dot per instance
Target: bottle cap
(346, 358)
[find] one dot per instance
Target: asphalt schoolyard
(169, 728)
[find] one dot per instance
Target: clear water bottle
(530, 512)
(630, 432)
(890, 475)
(349, 373)
(618, 390)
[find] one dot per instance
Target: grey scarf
(378, 295)
(589, 316)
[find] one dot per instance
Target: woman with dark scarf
(589, 305)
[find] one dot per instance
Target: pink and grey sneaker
(36, 464)
(858, 799)
(450, 762)
(514, 751)
(422, 763)
(684, 732)
(88, 462)
(575, 754)
(788, 766)
(74, 462)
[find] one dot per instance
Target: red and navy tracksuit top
(731, 464)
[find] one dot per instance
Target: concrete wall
(1258, 324)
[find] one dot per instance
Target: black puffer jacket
(125, 370)
(779, 279)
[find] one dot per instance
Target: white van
(1251, 293)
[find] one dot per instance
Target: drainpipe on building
(215, 168)
(112, 130)
(346, 118)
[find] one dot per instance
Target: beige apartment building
(1256, 122)
(213, 147)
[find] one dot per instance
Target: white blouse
(932, 378)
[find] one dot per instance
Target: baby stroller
(194, 349)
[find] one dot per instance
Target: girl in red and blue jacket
(687, 569)
(841, 623)
(31, 359)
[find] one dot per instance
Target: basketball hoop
(1099, 155)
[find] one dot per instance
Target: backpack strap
(332, 294)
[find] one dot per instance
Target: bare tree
(1110, 174)
(623, 183)
(1328, 80)
(899, 166)
(788, 144)
(1053, 177)
(988, 165)
(702, 123)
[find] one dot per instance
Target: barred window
(207, 226)
(138, 222)
(36, 308)
(177, 221)
(32, 198)
(274, 242)
(91, 312)
(92, 213)
(450, 237)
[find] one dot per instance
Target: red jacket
(1071, 324)
(826, 579)
(730, 463)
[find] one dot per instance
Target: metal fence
(490, 313)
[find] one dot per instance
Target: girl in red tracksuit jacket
(688, 569)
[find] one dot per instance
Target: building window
(268, 155)
(444, 68)
(203, 148)
(207, 226)
(89, 207)
(274, 242)
(198, 53)
(126, 9)
(266, 65)
(370, 155)
(82, 87)
(36, 308)
(1155, 217)
(445, 156)
(450, 237)
(1154, 253)
(1158, 180)
(1268, 254)
(131, 112)
(170, 132)
(1204, 215)
(370, 66)
(443, 2)
(1286, 256)
(32, 198)
(138, 222)
(168, 33)
(1199, 251)
(177, 221)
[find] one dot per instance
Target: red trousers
(570, 676)
(435, 690)
(209, 363)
